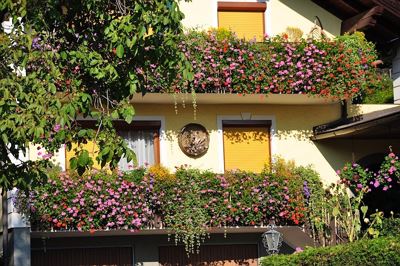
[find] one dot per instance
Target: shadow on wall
(333, 154)
(338, 152)
(304, 10)
(300, 134)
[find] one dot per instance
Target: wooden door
(110, 256)
(210, 255)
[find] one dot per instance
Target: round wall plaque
(194, 140)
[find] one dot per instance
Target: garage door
(115, 256)
(221, 255)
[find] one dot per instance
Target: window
(244, 18)
(142, 137)
(246, 144)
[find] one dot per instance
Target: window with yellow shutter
(246, 145)
(244, 18)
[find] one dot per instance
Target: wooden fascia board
(362, 21)
(390, 5)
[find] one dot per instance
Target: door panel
(210, 255)
(112, 256)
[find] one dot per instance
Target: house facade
(241, 132)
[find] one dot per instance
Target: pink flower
(57, 127)
(376, 183)
(298, 249)
(392, 155)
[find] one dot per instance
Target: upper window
(244, 18)
(142, 137)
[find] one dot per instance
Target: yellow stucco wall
(300, 14)
(202, 14)
(357, 109)
(293, 127)
(290, 137)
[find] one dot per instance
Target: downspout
(343, 110)
(5, 226)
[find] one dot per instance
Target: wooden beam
(362, 21)
(392, 6)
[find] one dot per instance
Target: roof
(374, 125)
(379, 19)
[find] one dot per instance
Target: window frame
(242, 7)
(151, 124)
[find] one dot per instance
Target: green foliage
(380, 96)
(379, 251)
(189, 219)
(81, 58)
(383, 226)
(390, 226)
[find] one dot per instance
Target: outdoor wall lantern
(272, 239)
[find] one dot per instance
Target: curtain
(142, 143)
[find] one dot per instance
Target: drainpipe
(343, 110)
(5, 226)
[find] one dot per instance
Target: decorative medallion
(194, 140)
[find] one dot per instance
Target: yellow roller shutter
(246, 24)
(90, 147)
(246, 148)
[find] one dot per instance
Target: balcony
(343, 68)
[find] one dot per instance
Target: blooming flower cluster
(139, 200)
(358, 178)
(225, 64)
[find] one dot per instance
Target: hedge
(379, 251)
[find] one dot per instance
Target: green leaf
(83, 158)
(335, 211)
(82, 133)
(73, 163)
(114, 114)
(63, 55)
(120, 51)
(5, 138)
(364, 209)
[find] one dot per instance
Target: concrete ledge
(294, 236)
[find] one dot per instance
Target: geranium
(226, 64)
(357, 178)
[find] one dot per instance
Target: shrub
(379, 251)
(390, 227)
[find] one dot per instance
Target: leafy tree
(83, 58)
